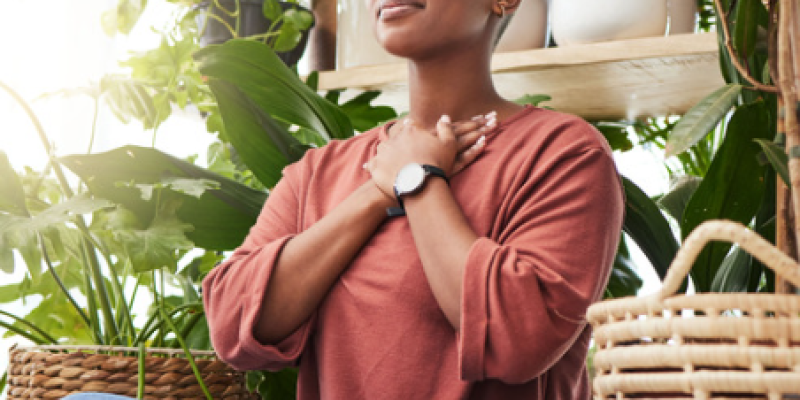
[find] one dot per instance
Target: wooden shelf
(622, 79)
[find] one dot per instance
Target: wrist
(375, 198)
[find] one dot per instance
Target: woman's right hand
(471, 138)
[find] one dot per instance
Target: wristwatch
(411, 179)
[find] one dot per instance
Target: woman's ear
(504, 7)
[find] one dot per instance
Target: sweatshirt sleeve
(234, 290)
(525, 294)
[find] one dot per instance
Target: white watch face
(409, 179)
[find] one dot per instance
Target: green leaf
(156, 246)
(53, 215)
(734, 273)
(777, 158)
(745, 26)
(272, 10)
(732, 189)
(255, 70)
(301, 19)
(281, 385)
(681, 190)
(288, 38)
(624, 280)
(647, 226)
(701, 119)
(221, 217)
(12, 195)
(363, 115)
(263, 144)
(187, 186)
(616, 135)
(312, 80)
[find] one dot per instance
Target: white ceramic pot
(356, 44)
(588, 21)
(528, 27)
(682, 16)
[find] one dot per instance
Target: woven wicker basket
(52, 372)
(702, 346)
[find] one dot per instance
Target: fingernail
(481, 141)
(406, 121)
(477, 118)
(491, 115)
(491, 123)
(445, 119)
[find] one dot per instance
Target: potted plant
(283, 25)
(90, 270)
(723, 344)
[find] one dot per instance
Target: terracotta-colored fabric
(547, 202)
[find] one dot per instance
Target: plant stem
(722, 15)
(785, 84)
(188, 353)
(95, 114)
(60, 284)
(112, 334)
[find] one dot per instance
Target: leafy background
(183, 135)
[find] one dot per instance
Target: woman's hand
(451, 147)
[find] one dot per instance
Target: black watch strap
(401, 210)
(436, 171)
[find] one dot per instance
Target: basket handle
(727, 231)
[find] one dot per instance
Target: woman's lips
(397, 9)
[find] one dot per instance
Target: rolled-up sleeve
(233, 292)
(527, 288)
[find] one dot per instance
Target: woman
(504, 228)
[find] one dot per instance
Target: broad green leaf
(255, 70)
(263, 144)
(221, 217)
(56, 214)
(777, 158)
(12, 195)
(187, 186)
(734, 273)
(647, 226)
(681, 190)
(701, 119)
(157, 246)
(363, 115)
(745, 27)
(732, 189)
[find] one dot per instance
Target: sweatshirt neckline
(383, 133)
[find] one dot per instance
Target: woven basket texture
(704, 346)
(52, 372)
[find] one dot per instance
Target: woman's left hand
(451, 147)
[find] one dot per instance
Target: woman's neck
(459, 86)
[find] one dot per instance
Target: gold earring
(502, 9)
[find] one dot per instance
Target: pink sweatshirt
(547, 202)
